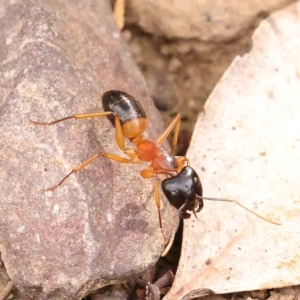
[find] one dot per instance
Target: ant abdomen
(130, 112)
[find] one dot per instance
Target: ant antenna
(241, 205)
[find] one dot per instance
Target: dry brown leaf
(247, 148)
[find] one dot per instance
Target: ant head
(183, 188)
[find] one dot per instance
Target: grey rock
(101, 226)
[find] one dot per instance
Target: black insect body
(184, 191)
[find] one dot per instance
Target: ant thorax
(165, 164)
(162, 161)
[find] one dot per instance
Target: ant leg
(157, 198)
(195, 214)
(200, 204)
(120, 140)
(84, 116)
(90, 160)
(176, 133)
(119, 134)
(175, 123)
(149, 173)
(170, 242)
(183, 214)
(181, 160)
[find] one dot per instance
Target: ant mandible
(129, 119)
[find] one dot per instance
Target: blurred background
(183, 48)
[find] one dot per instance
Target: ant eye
(174, 193)
(196, 180)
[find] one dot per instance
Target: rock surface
(205, 20)
(101, 226)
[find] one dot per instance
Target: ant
(183, 187)
(129, 119)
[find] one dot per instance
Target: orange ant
(183, 187)
(128, 117)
